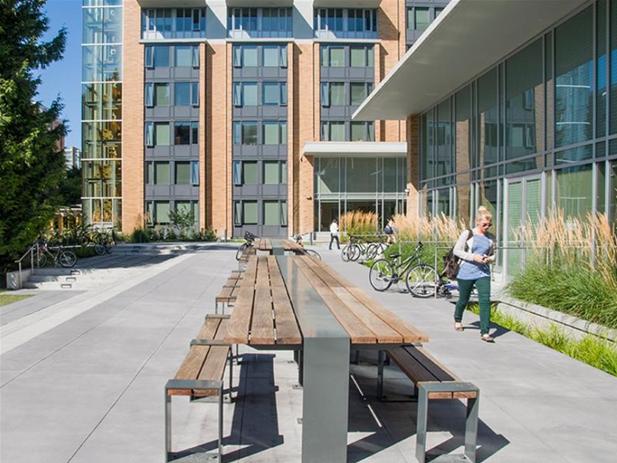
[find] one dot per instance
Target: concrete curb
(542, 316)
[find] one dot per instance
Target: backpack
(388, 230)
(451, 263)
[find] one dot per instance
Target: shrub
(140, 235)
(359, 223)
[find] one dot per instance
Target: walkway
(90, 388)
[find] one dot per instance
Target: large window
(186, 133)
(488, 118)
(245, 94)
(259, 22)
(186, 93)
(161, 94)
(245, 133)
(187, 56)
(274, 133)
(183, 173)
(249, 213)
(161, 173)
(275, 213)
(524, 101)
(359, 92)
(173, 23)
(275, 93)
(343, 22)
(274, 172)
(333, 131)
(574, 191)
(157, 56)
(332, 56)
(574, 78)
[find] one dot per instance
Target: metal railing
(31, 250)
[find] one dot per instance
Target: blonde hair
(483, 214)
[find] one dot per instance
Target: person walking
(476, 249)
(390, 230)
(334, 234)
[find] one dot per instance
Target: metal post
(220, 459)
(471, 427)
(167, 425)
(421, 425)
(380, 362)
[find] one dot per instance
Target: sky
(63, 78)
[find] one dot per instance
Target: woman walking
(476, 249)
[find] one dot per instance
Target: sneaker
(487, 338)
(458, 326)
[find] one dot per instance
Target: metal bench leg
(167, 425)
(380, 361)
(231, 374)
(421, 424)
(471, 428)
(221, 424)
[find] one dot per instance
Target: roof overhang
(355, 149)
(266, 3)
(468, 37)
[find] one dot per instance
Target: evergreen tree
(31, 160)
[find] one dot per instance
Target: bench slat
(287, 330)
(214, 368)
(410, 334)
(209, 328)
(358, 332)
(431, 364)
(383, 332)
(410, 366)
(262, 329)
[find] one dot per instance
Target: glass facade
(535, 132)
(371, 184)
(102, 113)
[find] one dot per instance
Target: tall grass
(359, 223)
(571, 267)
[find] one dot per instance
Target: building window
(362, 56)
(245, 133)
(161, 212)
(260, 22)
(157, 56)
(245, 94)
(333, 131)
(274, 172)
(186, 94)
(359, 91)
(187, 56)
(161, 134)
(332, 94)
(149, 94)
(249, 173)
(186, 133)
(249, 212)
(274, 133)
(183, 173)
(275, 93)
(237, 173)
(161, 94)
(421, 18)
(238, 213)
(332, 56)
(362, 131)
(161, 173)
(194, 173)
(275, 56)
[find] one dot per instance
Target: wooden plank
(190, 368)
(286, 324)
(356, 330)
(409, 333)
(262, 328)
(439, 371)
(240, 320)
(262, 280)
(382, 331)
(209, 328)
(410, 366)
(213, 369)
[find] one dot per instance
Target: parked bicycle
(310, 252)
(358, 247)
(420, 278)
(249, 239)
(57, 254)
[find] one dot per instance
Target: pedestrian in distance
(476, 249)
(390, 232)
(334, 234)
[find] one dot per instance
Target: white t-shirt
(334, 229)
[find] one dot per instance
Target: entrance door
(523, 207)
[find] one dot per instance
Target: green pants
(484, 298)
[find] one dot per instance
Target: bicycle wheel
(371, 251)
(312, 253)
(67, 259)
(422, 280)
(42, 260)
(345, 253)
(99, 249)
(241, 250)
(354, 252)
(380, 275)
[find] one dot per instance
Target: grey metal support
(471, 420)
(325, 371)
(380, 362)
(194, 384)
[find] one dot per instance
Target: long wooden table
(300, 303)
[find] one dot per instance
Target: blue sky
(63, 78)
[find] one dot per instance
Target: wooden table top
(263, 313)
(263, 244)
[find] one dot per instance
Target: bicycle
(420, 278)
(56, 254)
(357, 248)
(309, 252)
(249, 239)
(103, 242)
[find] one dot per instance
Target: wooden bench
(433, 381)
(201, 375)
(248, 251)
(228, 293)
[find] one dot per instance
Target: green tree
(31, 162)
(70, 188)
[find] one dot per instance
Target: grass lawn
(6, 298)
